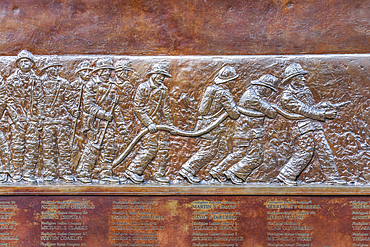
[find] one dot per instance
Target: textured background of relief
(334, 78)
(194, 27)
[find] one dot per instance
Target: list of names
(63, 223)
(215, 223)
(136, 223)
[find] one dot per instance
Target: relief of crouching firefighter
(216, 100)
(248, 149)
(103, 122)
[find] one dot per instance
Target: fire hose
(220, 119)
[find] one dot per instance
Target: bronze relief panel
(176, 120)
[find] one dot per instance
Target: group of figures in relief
(40, 110)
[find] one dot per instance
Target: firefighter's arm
(229, 105)
(89, 105)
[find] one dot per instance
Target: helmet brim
(264, 84)
(158, 72)
(16, 61)
(103, 67)
(51, 65)
(302, 72)
(85, 68)
(218, 80)
(123, 68)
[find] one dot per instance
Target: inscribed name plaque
(184, 150)
(187, 221)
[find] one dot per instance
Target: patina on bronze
(184, 221)
(230, 150)
(196, 27)
(74, 124)
(100, 148)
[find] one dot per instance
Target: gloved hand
(152, 128)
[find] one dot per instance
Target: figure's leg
(217, 172)
(145, 154)
(239, 172)
(206, 153)
(64, 148)
(88, 160)
(17, 145)
(106, 158)
(223, 149)
(5, 154)
(49, 140)
(32, 152)
(303, 152)
(162, 159)
(326, 159)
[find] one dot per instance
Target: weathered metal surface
(174, 27)
(227, 120)
(184, 221)
(67, 143)
(176, 190)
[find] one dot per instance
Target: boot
(234, 179)
(136, 179)
(161, 179)
(109, 180)
(30, 179)
(84, 180)
(17, 178)
(217, 176)
(190, 177)
(286, 181)
(335, 181)
(67, 178)
(3, 177)
(87, 164)
(49, 179)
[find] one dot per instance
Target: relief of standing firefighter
(144, 120)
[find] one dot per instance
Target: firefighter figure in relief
(59, 109)
(308, 134)
(104, 122)
(151, 106)
(25, 97)
(216, 100)
(124, 72)
(5, 172)
(248, 149)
